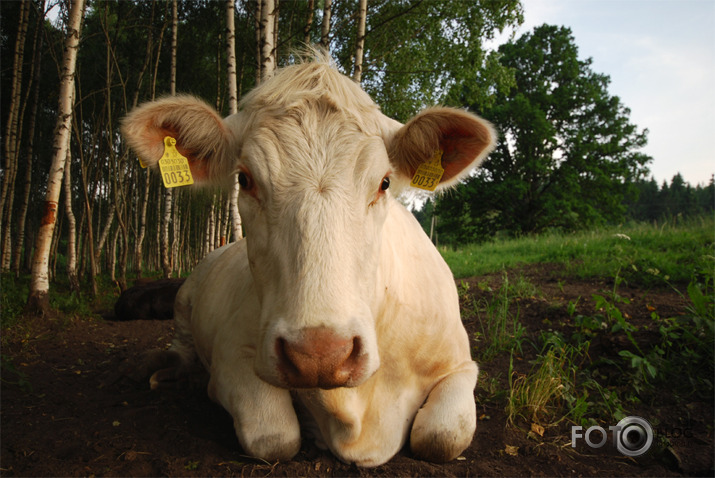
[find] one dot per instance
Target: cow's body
(336, 304)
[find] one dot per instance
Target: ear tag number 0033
(428, 174)
(174, 167)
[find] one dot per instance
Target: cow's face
(317, 163)
(314, 193)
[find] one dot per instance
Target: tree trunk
(142, 227)
(90, 231)
(308, 22)
(139, 245)
(168, 193)
(71, 226)
(38, 300)
(232, 106)
(325, 27)
(22, 216)
(268, 48)
(360, 44)
(12, 135)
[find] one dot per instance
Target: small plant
(503, 330)
(537, 397)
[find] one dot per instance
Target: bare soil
(68, 409)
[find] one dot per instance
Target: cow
(148, 300)
(335, 313)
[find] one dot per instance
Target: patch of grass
(537, 397)
(646, 254)
(500, 328)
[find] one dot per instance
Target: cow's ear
(201, 135)
(464, 139)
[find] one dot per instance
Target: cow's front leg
(263, 415)
(445, 424)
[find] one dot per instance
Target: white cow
(336, 308)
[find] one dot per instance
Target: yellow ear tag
(174, 167)
(428, 174)
(141, 163)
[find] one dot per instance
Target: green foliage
(13, 296)
(668, 202)
(568, 154)
(421, 53)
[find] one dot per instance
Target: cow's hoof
(272, 448)
(440, 446)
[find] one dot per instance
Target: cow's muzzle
(321, 359)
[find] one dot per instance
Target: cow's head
(318, 165)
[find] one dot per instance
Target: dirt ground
(68, 410)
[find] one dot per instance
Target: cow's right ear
(201, 135)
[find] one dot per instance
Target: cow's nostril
(320, 359)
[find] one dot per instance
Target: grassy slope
(645, 254)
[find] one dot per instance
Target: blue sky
(660, 55)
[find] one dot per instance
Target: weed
(499, 326)
(538, 396)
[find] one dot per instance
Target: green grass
(566, 381)
(642, 254)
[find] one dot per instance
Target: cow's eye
(385, 183)
(245, 181)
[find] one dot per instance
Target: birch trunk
(38, 300)
(267, 36)
(12, 136)
(168, 192)
(325, 27)
(22, 216)
(232, 108)
(71, 226)
(309, 22)
(360, 44)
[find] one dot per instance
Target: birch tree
(267, 43)
(325, 27)
(236, 228)
(12, 135)
(360, 43)
(308, 22)
(168, 192)
(27, 181)
(71, 225)
(38, 300)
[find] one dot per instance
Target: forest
(76, 203)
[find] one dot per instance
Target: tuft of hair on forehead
(313, 80)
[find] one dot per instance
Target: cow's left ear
(200, 133)
(464, 139)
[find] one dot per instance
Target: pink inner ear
(461, 147)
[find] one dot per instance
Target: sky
(660, 56)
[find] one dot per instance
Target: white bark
(360, 44)
(39, 284)
(236, 228)
(267, 34)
